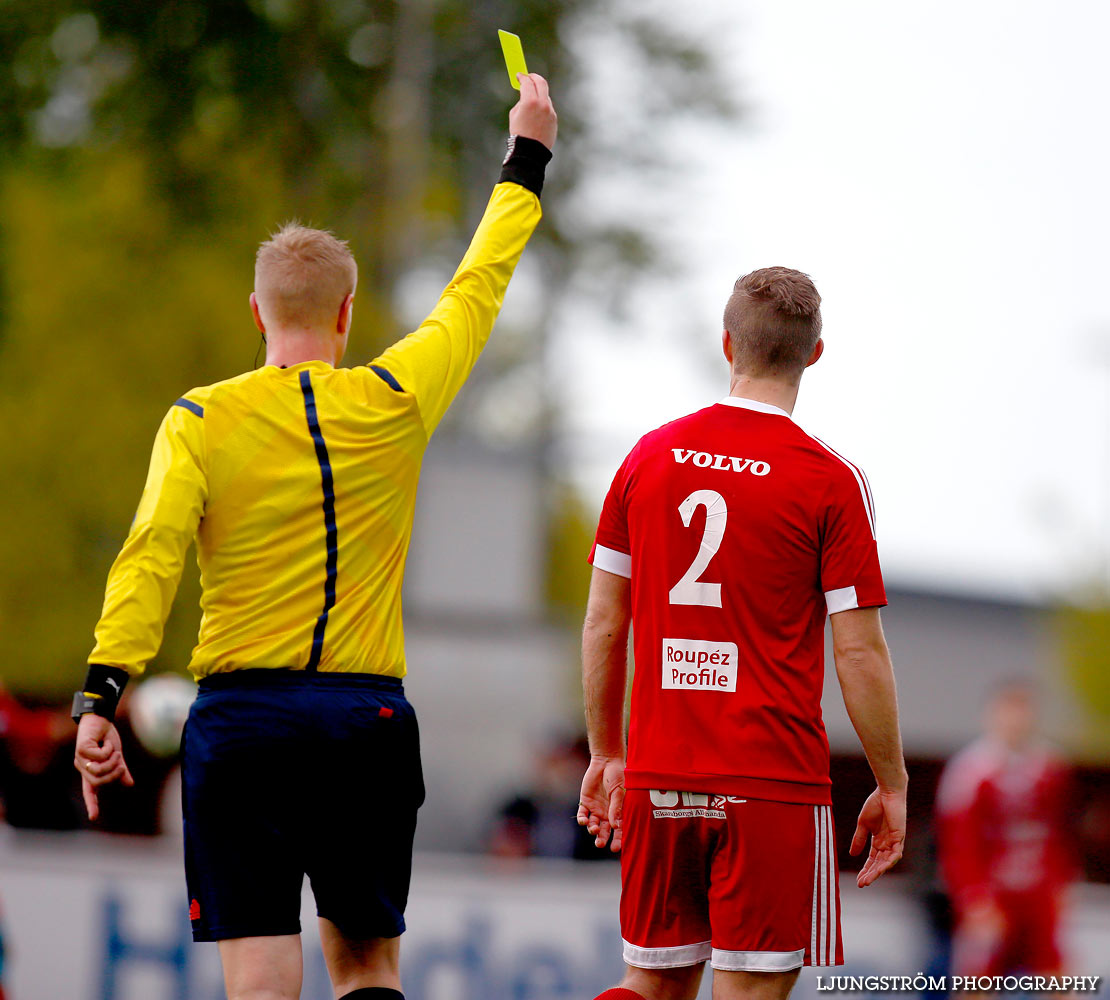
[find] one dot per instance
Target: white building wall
(949, 652)
(491, 680)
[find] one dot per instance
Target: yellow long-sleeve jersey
(299, 487)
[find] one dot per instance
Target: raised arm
(866, 676)
(141, 588)
(433, 362)
(604, 675)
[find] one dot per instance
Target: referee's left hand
(99, 759)
(534, 116)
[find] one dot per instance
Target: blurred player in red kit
(727, 538)
(1006, 849)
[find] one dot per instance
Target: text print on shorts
(699, 665)
(699, 805)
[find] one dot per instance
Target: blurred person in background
(35, 777)
(726, 540)
(540, 820)
(298, 483)
(39, 790)
(3, 958)
(1006, 845)
(29, 787)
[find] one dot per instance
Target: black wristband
(104, 685)
(88, 704)
(525, 162)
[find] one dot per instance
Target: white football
(158, 711)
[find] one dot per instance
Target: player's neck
(294, 347)
(765, 390)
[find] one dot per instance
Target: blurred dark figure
(1007, 850)
(1094, 825)
(927, 887)
(35, 760)
(39, 789)
(3, 995)
(541, 821)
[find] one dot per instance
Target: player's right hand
(884, 817)
(533, 116)
(601, 804)
(98, 759)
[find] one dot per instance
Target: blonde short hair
(302, 276)
(774, 320)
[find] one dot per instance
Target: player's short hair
(773, 318)
(302, 275)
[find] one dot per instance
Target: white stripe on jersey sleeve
(861, 482)
(843, 599)
(612, 561)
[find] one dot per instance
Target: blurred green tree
(145, 150)
(1083, 628)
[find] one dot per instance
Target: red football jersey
(739, 532)
(1003, 822)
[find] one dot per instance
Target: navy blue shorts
(286, 774)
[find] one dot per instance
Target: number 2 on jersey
(690, 589)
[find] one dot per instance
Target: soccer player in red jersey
(1005, 847)
(725, 539)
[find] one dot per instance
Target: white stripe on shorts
(757, 961)
(666, 958)
(816, 875)
(822, 939)
(823, 936)
(829, 839)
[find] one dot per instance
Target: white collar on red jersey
(755, 404)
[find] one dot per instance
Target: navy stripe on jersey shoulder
(188, 404)
(386, 377)
(330, 531)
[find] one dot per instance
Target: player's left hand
(98, 759)
(601, 804)
(884, 817)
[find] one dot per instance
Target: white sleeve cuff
(843, 599)
(612, 561)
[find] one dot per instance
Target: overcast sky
(941, 171)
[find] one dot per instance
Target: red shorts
(1027, 939)
(748, 884)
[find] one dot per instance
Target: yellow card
(514, 55)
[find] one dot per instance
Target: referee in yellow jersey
(298, 483)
